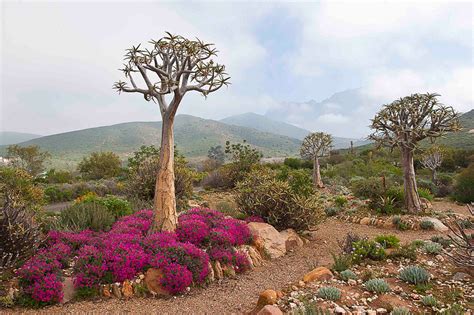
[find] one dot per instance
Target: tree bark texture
(318, 183)
(412, 199)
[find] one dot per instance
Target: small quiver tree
(403, 124)
(172, 67)
(314, 146)
(432, 159)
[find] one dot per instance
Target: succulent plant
(432, 248)
(329, 293)
(347, 274)
(429, 300)
(414, 275)
(377, 285)
(426, 225)
(400, 311)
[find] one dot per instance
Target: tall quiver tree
(174, 66)
(314, 146)
(403, 124)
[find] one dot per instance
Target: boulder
(437, 224)
(425, 204)
(105, 291)
(267, 297)
(116, 290)
(365, 221)
(211, 276)
(292, 239)
(270, 310)
(318, 274)
(127, 289)
(268, 239)
(257, 259)
(218, 272)
(152, 281)
(68, 290)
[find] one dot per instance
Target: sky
(59, 59)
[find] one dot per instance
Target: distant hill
(263, 123)
(10, 137)
(464, 138)
(193, 137)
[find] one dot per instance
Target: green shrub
(388, 241)
(425, 193)
(426, 225)
(300, 180)
(117, 206)
(84, 216)
(347, 274)
(100, 165)
(329, 293)
(340, 201)
(418, 243)
(400, 311)
(18, 189)
(445, 242)
(377, 285)
(399, 223)
(261, 194)
(341, 262)
(385, 205)
(432, 248)
(332, 211)
(367, 249)
(414, 275)
(371, 187)
(429, 300)
(405, 251)
(464, 185)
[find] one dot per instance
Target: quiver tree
(316, 145)
(403, 124)
(164, 74)
(432, 159)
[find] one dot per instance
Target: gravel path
(237, 296)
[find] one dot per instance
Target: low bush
(445, 242)
(367, 249)
(399, 223)
(340, 201)
(432, 248)
(464, 185)
(414, 275)
(69, 192)
(261, 194)
(400, 311)
(426, 225)
(332, 211)
(425, 193)
(405, 251)
(429, 300)
(91, 215)
(388, 241)
(341, 262)
(329, 293)
(117, 206)
(377, 285)
(371, 187)
(347, 274)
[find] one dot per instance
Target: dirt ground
(237, 296)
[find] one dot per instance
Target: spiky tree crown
(173, 65)
(315, 144)
(411, 119)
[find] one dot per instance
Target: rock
(270, 310)
(371, 312)
(272, 243)
(152, 281)
(193, 204)
(116, 290)
(244, 251)
(461, 276)
(365, 221)
(339, 310)
(279, 294)
(292, 239)
(218, 272)
(439, 258)
(257, 259)
(425, 204)
(210, 276)
(381, 311)
(105, 291)
(301, 283)
(437, 224)
(318, 274)
(127, 289)
(267, 297)
(352, 282)
(388, 223)
(68, 290)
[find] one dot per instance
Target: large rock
(318, 274)
(68, 290)
(437, 224)
(267, 297)
(292, 239)
(127, 289)
(269, 239)
(252, 254)
(152, 281)
(270, 310)
(218, 272)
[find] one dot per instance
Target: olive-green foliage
(299, 180)
(445, 242)
(297, 163)
(100, 165)
(388, 241)
(367, 249)
(332, 211)
(18, 190)
(425, 193)
(89, 215)
(371, 187)
(311, 308)
(340, 201)
(68, 192)
(341, 262)
(347, 274)
(30, 158)
(54, 176)
(399, 223)
(414, 275)
(329, 293)
(400, 311)
(261, 194)
(464, 185)
(432, 248)
(405, 251)
(141, 180)
(144, 153)
(377, 285)
(429, 300)
(117, 206)
(426, 225)
(85, 293)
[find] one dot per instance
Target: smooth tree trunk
(318, 183)
(412, 199)
(434, 178)
(165, 215)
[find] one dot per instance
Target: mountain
(463, 139)
(265, 124)
(193, 137)
(10, 137)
